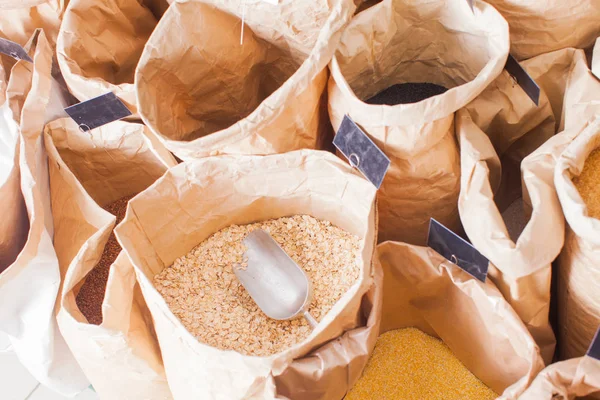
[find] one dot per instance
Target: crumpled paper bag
(421, 289)
(203, 93)
(579, 261)
(29, 287)
(542, 26)
(100, 44)
(399, 41)
(196, 199)
(88, 170)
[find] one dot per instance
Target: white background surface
(18, 384)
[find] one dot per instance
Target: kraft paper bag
(210, 194)
(582, 93)
(421, 289)
(520, 266)
(204, 93)
(566, 380)
(515, 125)
(20, 19)
(100, 44)
(542, 26)
(29, 286)
(89, 170)
(399, 41)
(578, 264)
(494, 168)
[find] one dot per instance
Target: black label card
(14, 50)
(457, 250)
(361, 151)
(594, 350)
(98, 111)
(523, 79)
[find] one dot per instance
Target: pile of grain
(91, 295)
(588, 184)
(405, 93)
(202, 290)
(409, 364)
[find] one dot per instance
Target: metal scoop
(276, 283)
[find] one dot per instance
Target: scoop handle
(309, 318)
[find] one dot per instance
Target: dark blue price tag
(594, 350)
(457, 250)
(523, 79)
(14, 50)
(98, 111)
(361, 151)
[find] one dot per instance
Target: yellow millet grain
(588, 184)
(408, 364)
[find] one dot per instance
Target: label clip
(457, 250)
(522, 78)
(14, 50)
(98, 111)
(594, 349)
(362, 153)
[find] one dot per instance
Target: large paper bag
(29, 286)
(20, 19)
(566, 380)
(515, 125)
(399, 41)
(542, 26)
(196, 199)
(88, 170)
(423, 290)
(579, 261)
(496, 131)
(95, 60)
(205, 93)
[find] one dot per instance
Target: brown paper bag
(89, 170)
(515, 125)
(520, 265)
(566, 380)
(29, 286)
(20, 18)
(425, 41)
(95, 60)
(579, 275)
(496, 132)
(423, 290)
(205, 94)
(210, 194)
(542, 26)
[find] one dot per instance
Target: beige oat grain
(202, 290)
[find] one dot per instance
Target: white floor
(17, 384)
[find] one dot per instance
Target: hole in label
(354, 160)
(84, 128)
(14, 55)
(453, 259)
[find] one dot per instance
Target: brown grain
(91, 295)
